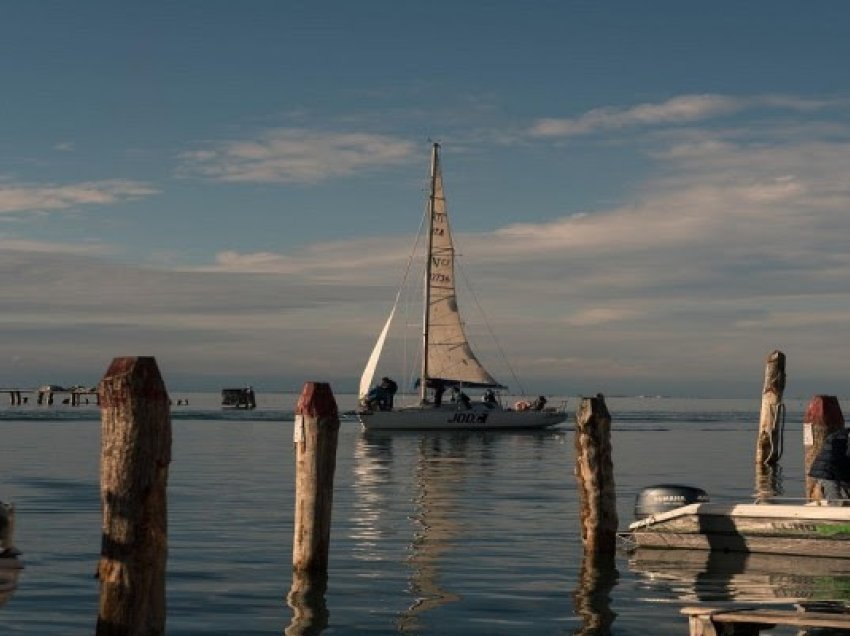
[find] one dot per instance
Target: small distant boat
(685, 519)
(242, 398)
(447, 360)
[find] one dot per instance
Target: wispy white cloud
(677, 110)
(294, 155)
(332, 261)
(26, 197)
(736, 246)
(27, 246)
(64, 146)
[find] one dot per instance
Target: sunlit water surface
(433, 533)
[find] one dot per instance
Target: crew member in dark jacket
(831, 466)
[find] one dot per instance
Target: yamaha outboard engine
(663, 497)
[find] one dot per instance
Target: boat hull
(807, 530)
(452, 418)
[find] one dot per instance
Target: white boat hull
(449, 417)
(807, 530)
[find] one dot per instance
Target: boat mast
(423, 379)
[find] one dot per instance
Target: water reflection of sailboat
(439, 472)
(697, 575)
(440, 468)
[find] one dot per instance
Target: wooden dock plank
(703, 619)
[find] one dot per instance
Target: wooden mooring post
(770, 441)
(315, 439)
(135, 454)
(823, 416)
(595, 474)
(769, 448)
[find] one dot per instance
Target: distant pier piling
(595, 474)
(315, 439)
(770, 440)
(135, 454)
(769, 447)
(823, 416)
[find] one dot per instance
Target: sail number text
(468, 418)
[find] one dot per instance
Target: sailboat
(447, 360)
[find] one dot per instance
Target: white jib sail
(372, 364)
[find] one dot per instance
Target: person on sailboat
(439, 388)
(389, 388)
(539, 403)
(463, 398)
(489, 399)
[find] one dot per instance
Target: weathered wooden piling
(823, 416)
(135, 454)
(595, 474)
(315, 440)
(770, 440)
(769, 446)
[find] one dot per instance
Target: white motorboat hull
(808, 530)
(449, 417)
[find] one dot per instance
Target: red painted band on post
(825, 408)
(317, 400)
(146, 379)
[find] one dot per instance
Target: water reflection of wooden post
(771, 422)
(135, 453)
(307, 599)
(315, 437)
(592, 597)
(598, 510)
(823, 416)
(595, 473)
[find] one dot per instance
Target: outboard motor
(663, 497)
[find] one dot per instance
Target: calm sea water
(433, 533)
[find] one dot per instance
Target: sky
(647, 197)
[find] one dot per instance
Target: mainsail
(449, 357)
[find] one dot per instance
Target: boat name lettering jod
(468, 418)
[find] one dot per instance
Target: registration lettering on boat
(791, 525)
(468, 418)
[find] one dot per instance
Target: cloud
(677, 110)
(64, 146)
(735, 245)
(294, 155)
(26, 246)
(26, 197)
(601, 315)
(331, 261)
